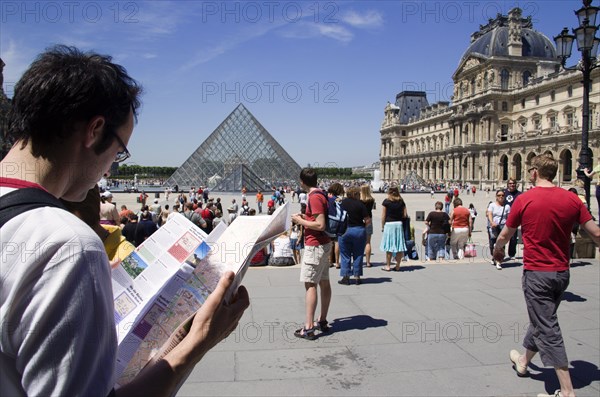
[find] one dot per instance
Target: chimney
(515, 44)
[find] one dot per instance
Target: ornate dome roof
(495, 43)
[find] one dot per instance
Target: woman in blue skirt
(392, 242)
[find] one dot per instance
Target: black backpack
(337, 217)
(22, 200)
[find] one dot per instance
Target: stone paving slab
(433, 329)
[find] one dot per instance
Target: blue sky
(316, 74)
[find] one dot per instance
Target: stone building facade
(511, 101)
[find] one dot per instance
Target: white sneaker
(556, 394)
(498, 266)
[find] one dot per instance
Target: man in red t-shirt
(315, 261)
(546, 215)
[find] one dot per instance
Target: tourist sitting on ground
(125, 211)
(281, 251)
(129, 229)
(438, 225)
(108, 212)
(145, 228)
(115, 244)
(164, 215)
(192, 216)
(217, 219)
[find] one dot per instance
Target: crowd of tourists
(72, 115)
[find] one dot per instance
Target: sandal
(322, 326)
(304, 333)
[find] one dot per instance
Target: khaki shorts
(315, 264)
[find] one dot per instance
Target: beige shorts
(315, 264)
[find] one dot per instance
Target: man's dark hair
(336, 189)
(64, 88)
(309, 177)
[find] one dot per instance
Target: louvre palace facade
(511, 101)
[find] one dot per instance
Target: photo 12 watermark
(69, 11)
(268, 11)
(461, 11)
(270, 92)
(454, 331)
(435, 91)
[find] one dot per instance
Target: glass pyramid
(240, 152)
(413, 181)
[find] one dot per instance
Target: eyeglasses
(123, 154)
(499, 195)
(531, 169)
(511, 183)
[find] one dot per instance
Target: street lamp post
(587, 44)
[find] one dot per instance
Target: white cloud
(310, 30)
(370, 19)
(17, 57)
(336, 32)
(244, 35)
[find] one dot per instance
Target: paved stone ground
(433, 329)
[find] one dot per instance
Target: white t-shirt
(56, 307)
(282, 247)
(496, 211)
(302, 198)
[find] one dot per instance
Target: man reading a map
(72, 116)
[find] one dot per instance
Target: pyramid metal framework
(240, 152)
(413, 181)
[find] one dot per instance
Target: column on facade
(492, 129)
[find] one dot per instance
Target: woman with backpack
(392, 241)
(335, 191)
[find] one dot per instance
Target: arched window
(567, 165)
(504, 167)
(517, 161)
(504, 75)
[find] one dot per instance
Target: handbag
(470, 249)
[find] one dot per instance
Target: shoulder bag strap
(23, 200)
